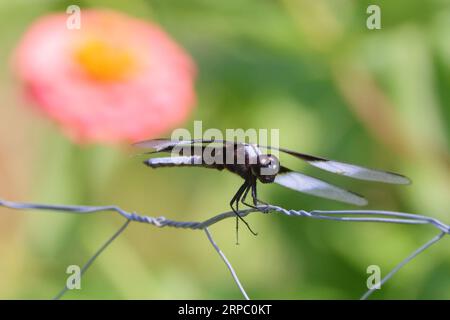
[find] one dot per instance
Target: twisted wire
(376, 216)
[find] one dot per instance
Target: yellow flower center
(105, 62)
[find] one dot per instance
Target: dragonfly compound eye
(269, 166)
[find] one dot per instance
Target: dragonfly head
(266, 168)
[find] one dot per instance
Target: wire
(377, 216)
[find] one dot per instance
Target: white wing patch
(316, 187)
(174, 161)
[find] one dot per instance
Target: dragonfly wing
(166, 145)
(160, 145)
(349, 170)
(316, 187)
(358, 172)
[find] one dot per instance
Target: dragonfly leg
(256, 201)
(251, 182)
(236, 198)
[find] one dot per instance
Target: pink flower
(117, 78)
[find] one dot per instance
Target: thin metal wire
(95, 256)
(376, 216)
(227, 263)
(404, 262)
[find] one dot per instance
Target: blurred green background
(312, 69)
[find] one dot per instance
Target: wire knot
(303, 213)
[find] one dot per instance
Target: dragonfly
(252, 164)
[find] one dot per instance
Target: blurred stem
(369, 103)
